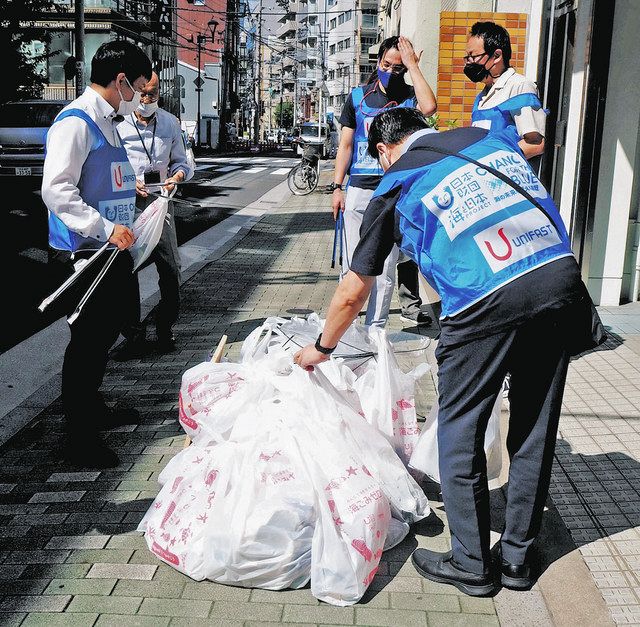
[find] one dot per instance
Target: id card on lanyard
(150, 176)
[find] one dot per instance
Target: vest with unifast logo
(107, 183)
(362, 164)
(500, 117)
(469, 232)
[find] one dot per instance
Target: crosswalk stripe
(254, 170)
(259, 159)
(281, 171)
(229, 168)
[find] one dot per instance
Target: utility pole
(79, 41)
(259, 86)
(200, 40)
(281, 86)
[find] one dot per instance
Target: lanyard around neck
(391, 103)
(153, 139)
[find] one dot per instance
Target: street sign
(198, 81)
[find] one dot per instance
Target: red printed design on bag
(394, 415)
(370, 576)
(211, 477)
(404, 404)
(165, 555)
(363, 549)
(176, 483)
(184, 419)
(168, 514)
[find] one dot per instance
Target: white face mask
(384, 156)
(127, 107)
(147, 109)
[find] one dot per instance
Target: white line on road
(229, 168)
(254, 170)
(281, 171)
(259, 159)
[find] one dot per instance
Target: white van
(309, 134)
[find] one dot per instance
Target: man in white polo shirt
(509, 100)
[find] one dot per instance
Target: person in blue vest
(510, 287)
(89, 189)
(508, 100)
(386, 89)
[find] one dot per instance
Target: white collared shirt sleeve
(529, 120)
(69, 143)
(178, 158)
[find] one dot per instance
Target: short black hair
(393, 125)
(113, 57)
(388, 44)
(494, 36)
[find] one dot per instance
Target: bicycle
(303, 179)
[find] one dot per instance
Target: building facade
(352, 27)
(150, 25)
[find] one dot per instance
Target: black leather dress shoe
(166, 341)
(441, 568)
(132, 349)
(516, 576)
(118, 417)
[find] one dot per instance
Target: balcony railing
(287, 27)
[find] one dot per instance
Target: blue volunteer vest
(362, 164)
(107, 183)
(469, 232)
(500, 117)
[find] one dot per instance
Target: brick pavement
(69, 552)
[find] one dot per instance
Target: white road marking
(229, 168)
(281, 171)
(254, 170)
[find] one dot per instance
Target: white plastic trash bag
(147, 229)
(284, 483)
(425, 456)
(387, 396)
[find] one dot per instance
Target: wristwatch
(322, 349)
(333, 186)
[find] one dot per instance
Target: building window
(332, 49)
(332, 24)
(347, 15)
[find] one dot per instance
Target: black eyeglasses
(474, 58)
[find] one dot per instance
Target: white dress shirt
(162, 137)
(69, 143)
(508, 85)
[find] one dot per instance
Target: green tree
(287, 114)
(21, 77)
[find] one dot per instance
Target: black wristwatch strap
(333, 186)
(322, 349)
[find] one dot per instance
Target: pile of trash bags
(291, 476)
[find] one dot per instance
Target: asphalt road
(221, 186)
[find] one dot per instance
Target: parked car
(309, 135)
(23, 130)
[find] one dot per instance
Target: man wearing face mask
(386, 89)
(508, 100)
(156, 150)
(89, 188)
(512, 296)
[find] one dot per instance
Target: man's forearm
(343, 159)
(531, 150)
(424, 94)
(348, 299)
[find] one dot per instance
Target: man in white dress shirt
(89, 188)
(156, 151)
(508, 100)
